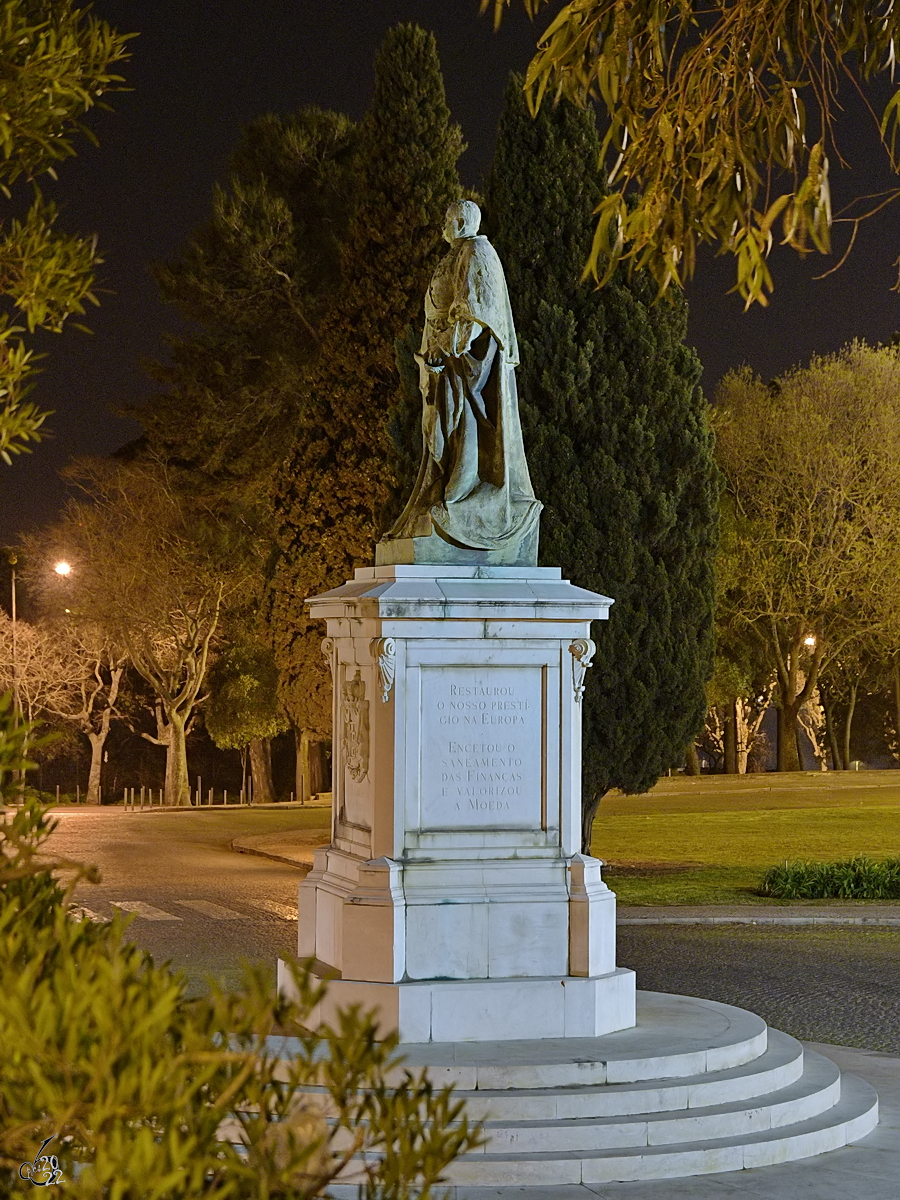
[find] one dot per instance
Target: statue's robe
(473, 487)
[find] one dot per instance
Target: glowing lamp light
(809, 640)
(63, 568)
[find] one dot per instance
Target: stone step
(778, 1067)
(854, 1115)
(675, 1037)
(815, 1092)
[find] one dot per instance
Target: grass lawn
(707, 840)
(702, 840)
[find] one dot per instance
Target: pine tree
(341, 485)
(618, 447)
(257, 279)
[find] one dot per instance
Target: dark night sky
(203, 68)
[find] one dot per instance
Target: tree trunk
(178, 790)
(300, 767)
(730, 738)
(788, 748)
(97, 740)
(837, 762)
(304, 791)
(848, 723)
(261, 771)
(743, 737)
(312, 764)
(691, 760)
(319, 772)
(589, 809)
(896, 674)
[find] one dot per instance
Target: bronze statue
(473, 500)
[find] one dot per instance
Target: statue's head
(462, 220)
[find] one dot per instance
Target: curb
(736, 920)
(303, 864)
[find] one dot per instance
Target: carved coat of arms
(355, 727)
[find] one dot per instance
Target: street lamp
(12, 558)
(63, 568)
(810, 640)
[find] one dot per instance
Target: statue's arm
(465, 329)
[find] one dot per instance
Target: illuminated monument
(454, 896)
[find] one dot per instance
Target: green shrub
(857, 878)
(137, 1084)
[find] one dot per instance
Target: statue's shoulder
(481, 252)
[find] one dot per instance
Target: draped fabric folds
(473, 487)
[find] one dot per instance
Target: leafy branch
(720, 121)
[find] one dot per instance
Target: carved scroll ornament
(328, 653)
(384, 650)
(582, 651)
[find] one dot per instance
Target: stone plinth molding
(454, 896)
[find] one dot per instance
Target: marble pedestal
(454, 897)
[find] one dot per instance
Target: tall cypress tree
(618, 447)
(339, 486)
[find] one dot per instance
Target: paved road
(196, 902)
(203, 906)
(840, 986)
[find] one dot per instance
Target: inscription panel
(481, 745)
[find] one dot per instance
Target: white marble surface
(774, 1117)
(481, 747)
(474, 1010)
(457, 808)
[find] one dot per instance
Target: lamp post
(12, 558)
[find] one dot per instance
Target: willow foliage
(720, 119)
(50, 49)
(139, 1091)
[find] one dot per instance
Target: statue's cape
(479, 291)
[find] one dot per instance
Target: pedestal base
(696, 1088)
(487, 1010)
(435, 550)
(454, 897)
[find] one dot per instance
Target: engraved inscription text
(481, 747)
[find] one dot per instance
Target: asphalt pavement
(195, 902)
(208, 888)
(203, 906)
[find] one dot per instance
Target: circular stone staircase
(694, 1088)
